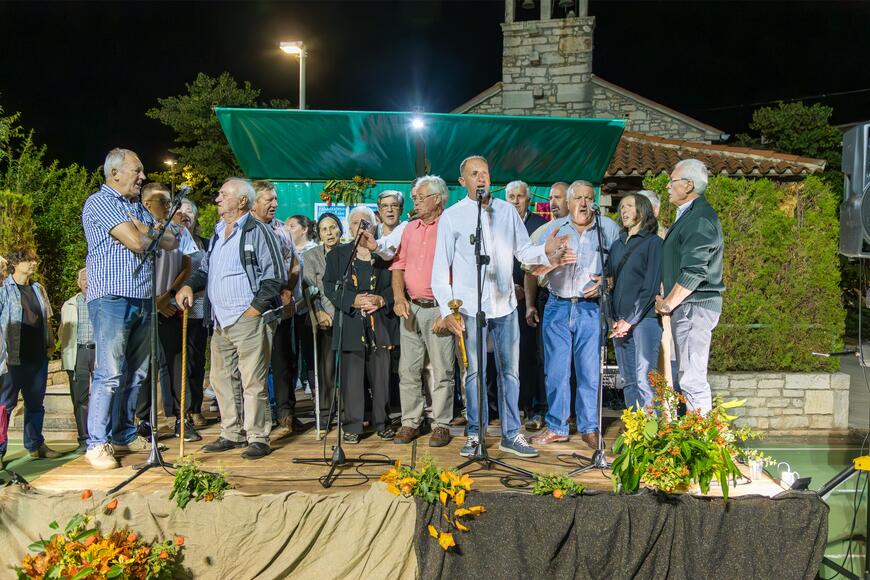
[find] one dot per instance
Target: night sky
(83, 73)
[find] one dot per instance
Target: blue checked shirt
(84, 332)
(569, 281)
(110, 264)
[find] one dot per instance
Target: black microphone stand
(338, 457)
(155, 459)
(480, 455)
(598, 460)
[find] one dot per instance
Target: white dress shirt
(454, 272)
(388, 245)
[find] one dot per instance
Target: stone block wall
(788, 403)
(610, 104)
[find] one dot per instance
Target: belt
(425, 303)
(574, 299)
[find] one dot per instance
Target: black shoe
(351, 438)
(222, 444)
(387, 434)
(190, 433)
(144, 429)
(256, 451)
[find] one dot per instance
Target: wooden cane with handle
(183, 378)
(454, 306)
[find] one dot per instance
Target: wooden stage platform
(277, 472)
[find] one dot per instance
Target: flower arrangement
(192, 483)
(670, 452)
(446, 487)
(83, 552)
(346, 191)
(556, 485)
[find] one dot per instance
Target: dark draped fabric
(648, 535)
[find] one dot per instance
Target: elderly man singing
(118, 229)
(454, 275)
(692, 279)
(243, 276)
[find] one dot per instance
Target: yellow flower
(459, 498)
(476, 510)
(442, 497)
(432, 531)
(460, 526)
(445, 476)
(412, 481)
(462, 512)
(393, 489)
(465, 482)
(445, 540)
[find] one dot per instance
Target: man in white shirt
(454, 276)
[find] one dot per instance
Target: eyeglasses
(419, 198)
(674, 179)
(389, 206)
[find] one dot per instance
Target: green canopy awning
(292, 145)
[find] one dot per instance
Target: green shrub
(16, 222)
(782, 298)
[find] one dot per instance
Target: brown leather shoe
(440, 437)
(406, 435)
(459, 421)
(285, 427)
(590, 439)
(548, 437)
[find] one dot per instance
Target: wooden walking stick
(454, 306)
(183, 378)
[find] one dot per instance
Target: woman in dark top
(370, 331)
(635, 265)
(24, 318)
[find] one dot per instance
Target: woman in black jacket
(370, 330)
(635, 265)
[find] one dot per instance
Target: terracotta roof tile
(638, 154)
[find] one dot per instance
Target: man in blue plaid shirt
(118, 230)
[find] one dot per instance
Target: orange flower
(445, 540)
(407, 488)
(558, 493)
(91, 539)
(459, 526)
(164, 555)
(110, 507)
(179, 540)
(132, 537)
(86, 494)
(432, 531)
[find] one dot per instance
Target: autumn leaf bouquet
(442, 487)
(81, 551)
(669, 452)
(346, 191)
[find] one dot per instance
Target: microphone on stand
(595, 208)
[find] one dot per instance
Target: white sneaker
(137, 444)
(102, 457)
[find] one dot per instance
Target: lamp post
(171, 164)
(298, 48)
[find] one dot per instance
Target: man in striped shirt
(118, 231)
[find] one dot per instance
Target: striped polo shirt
(110, 264)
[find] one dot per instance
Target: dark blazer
(386, 323)
(637, 285)
(533, 222)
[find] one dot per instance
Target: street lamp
(298, 48)
(171, 164)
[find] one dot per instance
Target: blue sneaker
(518, 446)
(470, 447)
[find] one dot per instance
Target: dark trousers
(303, 342)
(197, 335)
(284, 369)
(28, 378)
(356, 366)
(325, 373)
(80, 388)
(533, 397)
(169, 370)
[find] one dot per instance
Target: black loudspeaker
(855, 209)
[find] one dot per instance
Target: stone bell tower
(547, 62)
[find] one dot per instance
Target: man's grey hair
(436, 186)
(652, 196)
(261, 186)
(369, 214)
(695, 170)
(559, 184)
(469, 158)
(115, 160)
(392, 193)
(245, 189)
(515, 185)
(579, 183)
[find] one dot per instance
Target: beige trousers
(240, 356)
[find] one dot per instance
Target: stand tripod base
(597, 461)
(339, 460)
(482, 458)
(154, 460)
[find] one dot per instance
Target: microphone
(184, 190)
(481, 193)
(595, 208)
(364, 224)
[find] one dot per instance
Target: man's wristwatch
(665, 309)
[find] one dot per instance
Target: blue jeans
(29, 379)
(122, 334)
(637, 354)
(571, 332)
(506, 344)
